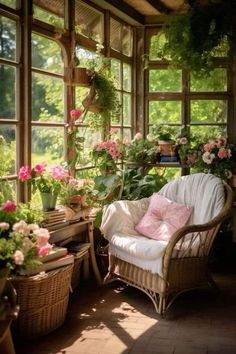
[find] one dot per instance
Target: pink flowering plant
(215, 158)
(76, 193)
(22, 241)
(45, 179)
(106, 153)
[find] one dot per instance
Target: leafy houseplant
(196, 36)
(105, 155)
(140, 150)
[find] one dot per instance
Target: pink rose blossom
(209, 146)
(42, 236)
(8, 206)
(221, 141)
(138, 136)
(40, 168)
(4, 226)
(223, 153)
(21, 227)
(18, 257)
(24, 173)
(183, 141)
(44, 250)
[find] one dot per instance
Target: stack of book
(57, 257)
(77, 248)
(55, 219)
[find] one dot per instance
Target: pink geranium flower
(8, 206)
(138, 136)
(75, 114)
(42, 236)
(59, 173)
(223, 153)
(40, 168)
(44, 250)
(24, 173)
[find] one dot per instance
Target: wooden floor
(119, 320)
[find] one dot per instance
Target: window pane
(86, 57)
(47, 145)
(8, 92)
(209, 111)
(157, 43)
(7, 38)
(10, 3)
(127, 134)
(121, 37)
(203, 133)
(7, 150)
(116, 119)
(7, 190)
(165, 80)
(51, 12)
(127, 77)
(126, 40)
(80, 94)
(88, 21)
(91, 138)
(215, 81)
(115, 71)
(126, 109)
(164, 112)
(47, 98)
(46, 54)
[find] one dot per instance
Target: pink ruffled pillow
(163, 218)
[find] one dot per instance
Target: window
(51, 12)
(177, 98)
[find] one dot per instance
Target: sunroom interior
(89, 89)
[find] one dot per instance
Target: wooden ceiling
(141, 11)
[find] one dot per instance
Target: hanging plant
(194, 38)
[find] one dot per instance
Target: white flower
(18, 257)
(150, 137)
(208, 157)
(33, 227)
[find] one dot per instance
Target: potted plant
(140, 150)
(165, 135)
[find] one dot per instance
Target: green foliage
(164, 132)
(137, 185)
(196, 37)
(107, 188)
(140, 151)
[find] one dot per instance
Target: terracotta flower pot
(166, 147)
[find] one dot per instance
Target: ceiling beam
(127, 9)
(158, 5)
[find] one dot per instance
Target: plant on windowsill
(140, 151)
(165, 137)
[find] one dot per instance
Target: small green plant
(140, 150)
(163, 132)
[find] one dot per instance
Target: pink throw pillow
(163, 218)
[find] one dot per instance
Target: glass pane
(10, 3)
(167, 173)
(8, 92)
(115, 71)
(165, 80)
(202, 134)
(88, 21)
(127, 134)
(80, 94)
(215, 81)
(47, 145)
(51, 12)
(126, 109)
(164, 112)
(86, 57)
(157, 43)
(7, 190)
(115, 35)
(126, 40)
(7, 38)
(116, 119)
(127, 77)
(47, 98)
(7, 150)
(208, 111)
(46, 54)
(91, 138)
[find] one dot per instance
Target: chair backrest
(205, 192)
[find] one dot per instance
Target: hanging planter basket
(77, 76)
(90, 102)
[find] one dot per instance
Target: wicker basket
(77, 270)
(43, 301)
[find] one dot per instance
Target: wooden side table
(81, 231)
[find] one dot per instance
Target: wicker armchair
(184, 258)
